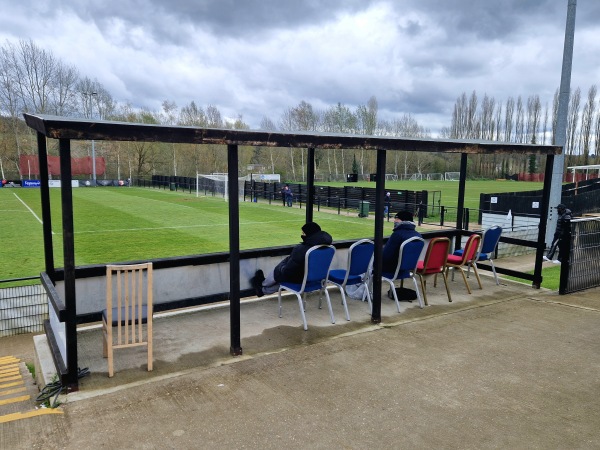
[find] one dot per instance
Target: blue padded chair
(316, 269)
(489, 242)
(360, 257)
(408, 258)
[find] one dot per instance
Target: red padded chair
(468, 258)
(434, 264)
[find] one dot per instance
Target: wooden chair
(128, 308)
(467, 258)
(434, 264)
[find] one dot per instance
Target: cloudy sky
(259, 57)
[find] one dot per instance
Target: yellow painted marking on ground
(28, 414)
(6, 361)
(10, 378)
(22, 398)
(4, 373)
(12, 391)
(16, 383)
(2, 358)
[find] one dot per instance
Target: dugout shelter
(61, 328)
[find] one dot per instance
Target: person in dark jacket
(404, 228)
(564, 217)
(291, 268)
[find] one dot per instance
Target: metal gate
(583, 256)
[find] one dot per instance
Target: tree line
(528, 122)
(33, 80)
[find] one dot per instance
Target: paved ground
(506, 367)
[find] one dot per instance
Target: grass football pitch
(118, 224)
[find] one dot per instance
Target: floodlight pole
(561, 119)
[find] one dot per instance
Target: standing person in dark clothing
(564, 216)
(388, 205)
(291, 268)
(404, 228)
(287, 196)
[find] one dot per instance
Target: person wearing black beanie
(404, 228)
(291, 268)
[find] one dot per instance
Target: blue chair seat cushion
(310, 286)
(482, 256)
(337, 276)
(115, 317)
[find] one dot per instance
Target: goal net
(452, 176)
(391, 177)
(411, 176)
(216, 184)
(435, 177)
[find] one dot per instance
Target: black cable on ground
(54, 389)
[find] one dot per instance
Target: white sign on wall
(493, 199)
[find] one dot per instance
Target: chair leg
(418, 293)
(104, 341)
(301, 305)
(279, 301)
(344, 303)
(446, 283)
(476, 272)
(462, 272)
(423, 289)
(149, 338)
(494, 271)
(393, 289)
(329, 306)
(368, 295)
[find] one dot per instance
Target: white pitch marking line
(30, 210)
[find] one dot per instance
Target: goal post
(217, 184)
(452, 176)
(435, 177)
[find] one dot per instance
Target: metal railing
(23, 309)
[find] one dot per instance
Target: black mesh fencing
(583, 268)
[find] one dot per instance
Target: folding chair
(467, 258)
(489, 242)
(434, 264)
(360, 257)
(128, 308)
(316, 269)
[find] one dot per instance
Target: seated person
(291, 268)
(404, 228)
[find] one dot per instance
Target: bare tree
(587, 122)
(572, 125)
(534, 110)
(509, 119)
(366, 116)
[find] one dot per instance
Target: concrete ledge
(45, 371)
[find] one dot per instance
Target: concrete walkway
(506, 367)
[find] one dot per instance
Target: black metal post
(310, 184)
(564, 251)
(234, 250)
(45, 197)
(377, 258)
(541, 243)
(66, 193)
(461, 198)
